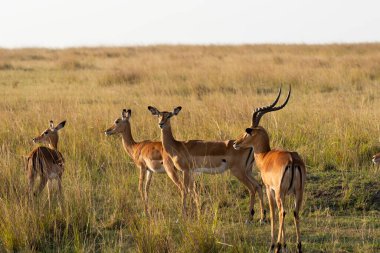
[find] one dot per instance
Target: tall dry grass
(331, 120)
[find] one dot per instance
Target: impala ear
(249, 131)
(60, 125)
(177, 110)
(51, 124)
(124, 114)
(129, 113)
(154, 110)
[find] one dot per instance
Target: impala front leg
(243, 177)
(259, 190)
(172, 173)
(141, 187)
(186, 182)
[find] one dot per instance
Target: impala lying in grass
(147, 155)
(211, 157)
(283, 172)
(46, 162)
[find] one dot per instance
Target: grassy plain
(331, 120)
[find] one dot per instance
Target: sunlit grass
(331, 120)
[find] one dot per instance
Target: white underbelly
(154, 166)
(215, 170)
(157, 170)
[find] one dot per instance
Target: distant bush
(74, 65)
(120, 78)
(6, 66)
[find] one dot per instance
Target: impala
(46, 162)
(147, 155)
(283, 172)
(211, 157)
(376, 159)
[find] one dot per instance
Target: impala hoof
(248, 222)
(262, 221)
(278, 248)
(299, 247)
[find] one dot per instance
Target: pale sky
(72, 23)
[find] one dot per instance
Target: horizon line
(126, 45)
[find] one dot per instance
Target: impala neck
(53, 142)
(167, 137)
(128, 140)
(261, 147)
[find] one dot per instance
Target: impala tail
(293, 168)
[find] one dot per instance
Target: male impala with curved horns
(147, 155)
(209, 157)
(46, 162)
(283, 172)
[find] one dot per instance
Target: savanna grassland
(332, 120)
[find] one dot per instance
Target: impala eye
(117, 122)
(46, 132)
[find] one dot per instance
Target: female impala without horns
(283, 172)
(147, 155)
(46, 162)
(210, 157)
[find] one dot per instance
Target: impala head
(164, 117)
(250, 136)
(255, 133)
(119, 124)
(50, 135)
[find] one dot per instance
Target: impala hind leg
(31, 180)
(148, 180)
(194, 194)
(281, 218)
(60, 191)
(271, 201)
(298, 202)
(41, 186)
(59, 182)
(49, 182)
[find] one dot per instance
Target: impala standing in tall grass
(283, 172)
(46, 162)
(211, 157)
(147, 155)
